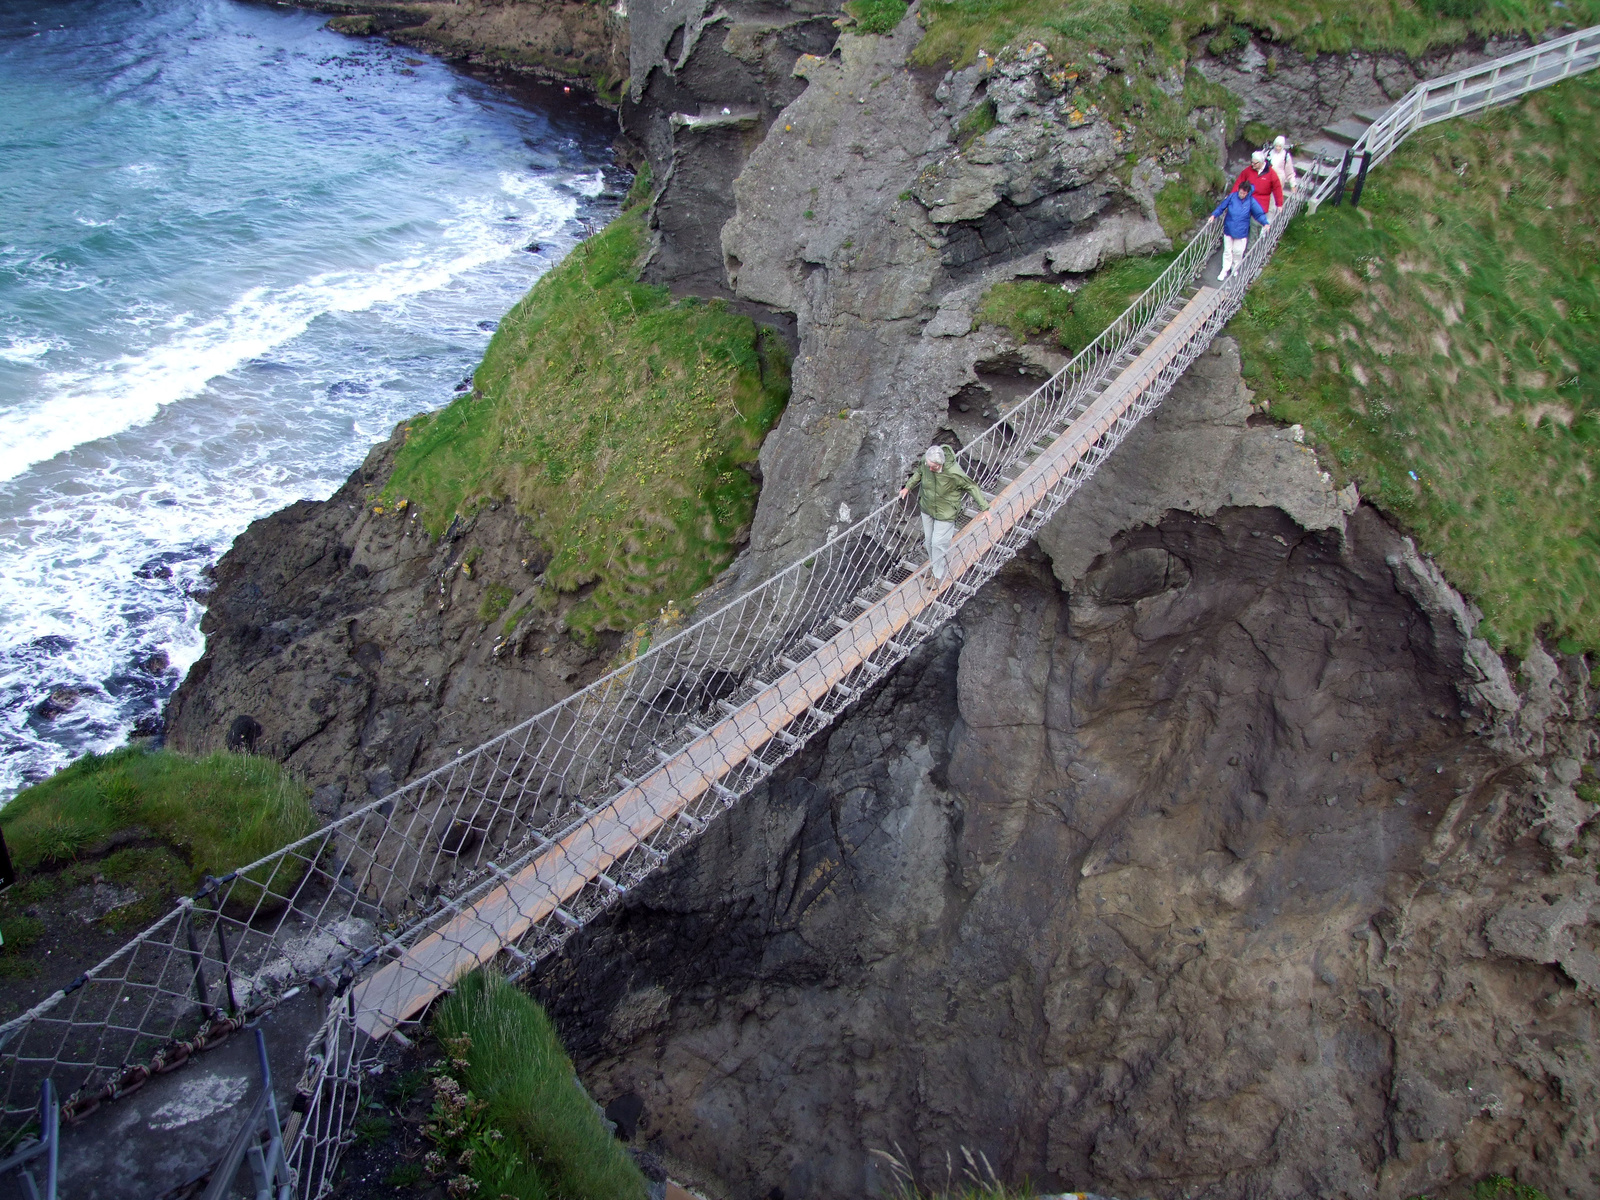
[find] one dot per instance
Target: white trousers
(1232, 254)
(936, 537)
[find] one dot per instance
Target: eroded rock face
(346, 643)
(707, 82)
(1299, 93)
(868, 214)
(1193, 860)
(1175, 880)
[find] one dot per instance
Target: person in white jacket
(1283, 163)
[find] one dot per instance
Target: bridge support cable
(502, 854)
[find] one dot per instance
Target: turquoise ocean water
(235, 249)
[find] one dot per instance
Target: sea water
(235, 249)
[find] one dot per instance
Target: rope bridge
(499, 855)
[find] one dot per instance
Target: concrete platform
(176, 1126)
(1347, 130)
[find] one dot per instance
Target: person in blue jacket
(1237, 211)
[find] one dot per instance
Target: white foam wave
(590, 185)
(82, 406)
(26, 350)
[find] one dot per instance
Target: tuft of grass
(976, 123)
(1038, 309)
(497, 598)
(513, 619)
(619, 421)
(876, 16)
(216, 813)
(511, 1062)
(1499, 1187)
(972, 1178)
(370, 1130)
(643, 188)
(1439, 346)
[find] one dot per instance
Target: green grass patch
(876, 16)
(1034, 309)
(643, 188)
(369, 1130)
(1163, 29)
(216, 813)
(1439, 345)
(510, 1103)
(513, 619)
(497, 598)
(976, 123)
(21, 933)
(1499, 1187)
(617, 420)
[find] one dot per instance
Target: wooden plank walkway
(404, 987)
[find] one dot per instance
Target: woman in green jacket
(941, 483)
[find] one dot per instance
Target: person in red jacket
(1263, 180)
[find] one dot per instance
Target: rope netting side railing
(360, 1019)
(560, 799)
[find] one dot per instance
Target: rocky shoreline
(561, 41)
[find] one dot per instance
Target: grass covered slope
(1440, 346)
(105, 845)
(958, 29)
(219, 812)
(617, 420)
(508, 1113)
(1031, 309)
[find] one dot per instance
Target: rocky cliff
(1207, 854)
(341, 639)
